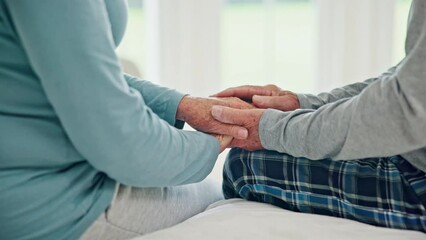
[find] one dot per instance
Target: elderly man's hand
(247, 118)
(269, 96)
(197, 113)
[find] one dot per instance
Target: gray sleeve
(311, 101)
(387, 118)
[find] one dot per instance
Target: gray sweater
(383, 116)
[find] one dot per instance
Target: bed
(240, 219)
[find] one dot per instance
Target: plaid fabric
(386, 192)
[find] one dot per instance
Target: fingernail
(243, 133)
(217, 111)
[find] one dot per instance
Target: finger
(235, 131)
(224, 141)
(283, 103)
(228, 115)
(234, 102)
(244, 92)
(229, 92)
(267, 102)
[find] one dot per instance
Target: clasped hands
(233, 115)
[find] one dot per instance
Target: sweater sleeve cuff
(172, 108)
(304, 101)
(270, 132)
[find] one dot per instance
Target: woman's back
(44, 180)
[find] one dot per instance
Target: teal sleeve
(71, 49)
(162, 101)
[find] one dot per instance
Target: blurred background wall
(200, 47)
(302, 45)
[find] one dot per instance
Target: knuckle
(234, 129)
(272, 86)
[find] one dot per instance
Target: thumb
(230, 121)
(229, 115)
(267, 101)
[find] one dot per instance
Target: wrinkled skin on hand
(247, 118)
(197, 113)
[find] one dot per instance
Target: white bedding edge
(239, 219)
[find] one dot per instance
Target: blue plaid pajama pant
(387, 192)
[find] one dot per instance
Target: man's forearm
(310, 101)
(384, 120)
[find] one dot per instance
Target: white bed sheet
(239, 219)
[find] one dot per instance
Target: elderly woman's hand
(224, 141)
(197, 113)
